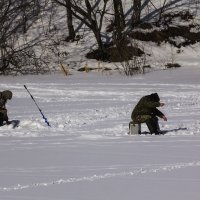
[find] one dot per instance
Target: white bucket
(134, 129)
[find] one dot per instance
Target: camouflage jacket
(145, 109)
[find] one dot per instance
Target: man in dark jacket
(4, 96)
(146, 112)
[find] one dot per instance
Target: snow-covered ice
(87, 154)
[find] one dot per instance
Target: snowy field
(87, 154)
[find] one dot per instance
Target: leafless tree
(88, 14)
(15, 19)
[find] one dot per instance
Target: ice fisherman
(146, 112)
(4, 96)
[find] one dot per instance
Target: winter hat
(155, 97)
(7, 94)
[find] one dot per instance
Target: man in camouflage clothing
(4, 96)
(146, 112)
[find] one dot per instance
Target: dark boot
(1, 119)
(153, 125)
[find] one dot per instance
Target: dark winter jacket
(146, 108)
(4, 96)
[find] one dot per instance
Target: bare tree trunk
(99, 40)
(119, 14)
(16, 17)
(70, 20)
(119, 23)
(136, 12)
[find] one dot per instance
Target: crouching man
(146, 112)
(4, 96)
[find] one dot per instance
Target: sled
(13, 123)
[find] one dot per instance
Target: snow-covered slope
(55, 50)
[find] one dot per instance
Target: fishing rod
(45, 119)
